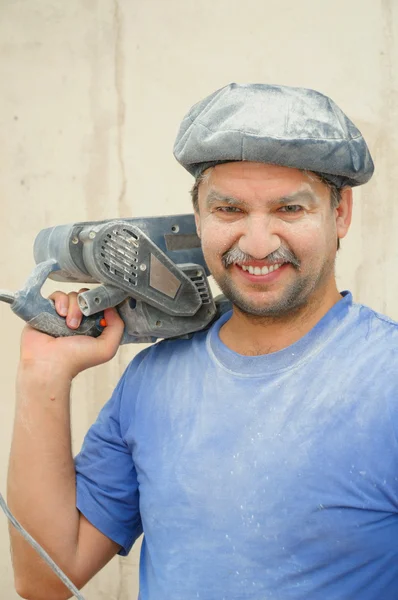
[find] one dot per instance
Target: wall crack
(123, 209)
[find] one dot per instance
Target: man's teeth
(260, 270)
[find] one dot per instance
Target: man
(259, 457)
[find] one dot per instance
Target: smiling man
(269, 238)
(259, 458)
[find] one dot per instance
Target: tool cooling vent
(119, 253)
(199, 279)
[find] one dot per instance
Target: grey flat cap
(286, 126)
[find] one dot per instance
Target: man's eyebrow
(308, 196)
(300, 196)
(214, 197)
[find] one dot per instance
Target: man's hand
(71, 355)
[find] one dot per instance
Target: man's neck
(253, 336)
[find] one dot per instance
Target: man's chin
(258, 309)
(261, 312)
(273, 306)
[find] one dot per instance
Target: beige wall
(92, 92)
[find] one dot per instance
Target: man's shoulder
(164, 352)
(195, 341)
(161, 367)
(374, 332)
(379, 321)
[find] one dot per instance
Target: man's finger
(61, 302)
(75, 315)
(113, 331)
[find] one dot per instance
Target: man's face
(269, 235)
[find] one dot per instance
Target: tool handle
(48, 321)
(40, 312)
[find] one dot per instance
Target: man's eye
(228, 209)
(291, 208)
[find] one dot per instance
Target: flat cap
(280, 125)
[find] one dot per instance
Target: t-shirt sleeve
(106, 479)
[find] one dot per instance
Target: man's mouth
(256, 270)
(280, 257)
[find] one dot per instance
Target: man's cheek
(216, 240)
(209, 242)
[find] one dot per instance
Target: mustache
(282, 255)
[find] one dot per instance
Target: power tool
(152, 269)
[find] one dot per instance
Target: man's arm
(41, 482)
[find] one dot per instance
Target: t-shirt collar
(285, 359)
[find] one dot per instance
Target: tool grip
(41, 315)
(54, 325)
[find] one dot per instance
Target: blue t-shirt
(265, 477)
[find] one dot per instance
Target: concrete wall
(92, 92)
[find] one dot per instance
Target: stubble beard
(295, 298)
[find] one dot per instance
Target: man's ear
(344, 212)
(197, 223)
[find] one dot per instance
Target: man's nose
(259, 238)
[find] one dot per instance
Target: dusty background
(92, 92)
